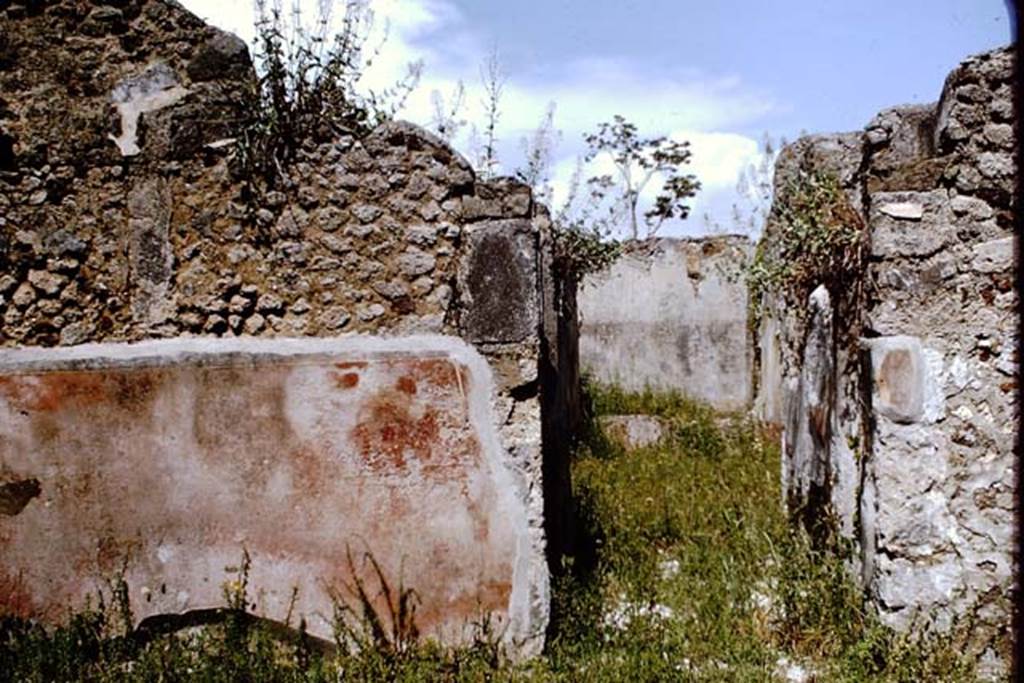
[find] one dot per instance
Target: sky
(719, 74)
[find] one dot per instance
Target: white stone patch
(994, 256)
(934, 401)
(164, 553)
(155, 88)
(903, 210)
(790, 671)
(958, 376)
(899, 369)
(620, 617)
(669, 569)
(964, 413)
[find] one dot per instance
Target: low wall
(671, 314)
(166, 460)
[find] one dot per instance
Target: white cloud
(686, 104)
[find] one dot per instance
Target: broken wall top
(121, 218)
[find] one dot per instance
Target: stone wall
(122, 218)
(906, 442)
(671, 314)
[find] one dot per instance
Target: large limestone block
(898, 370)
(166, 460)
(634, 431)
(910, 224)
(498, 277)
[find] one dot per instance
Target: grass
(690, 572)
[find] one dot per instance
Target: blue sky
(719, 74)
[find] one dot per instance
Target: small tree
(637, 162)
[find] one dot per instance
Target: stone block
(910, 224)
(224, 55)
(994, 256)
(166, 460)
(498, 281)
(898, 370)
(633, 431)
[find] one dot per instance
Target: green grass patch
(690, 573)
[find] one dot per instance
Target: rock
(971, 206)
(224, 56)
(994, 256)
(993, 165)
(391, 290)
(898, 372)
(370, 312)
(413, 262)
(367, 212)
(999, 134)
(103, 19)
(49, 284)
(497, 276)
(336, 245)
(905, 210)
(255, 324)
(76, 333)
(269, 303)
(422, 235)
(633, 431)
(333, 318)
(50, 308)
(291, 224)
(359, 231)
(422, 285)
(239, 305)
(215, 305)
(329, 218)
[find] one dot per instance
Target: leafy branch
(638, 161)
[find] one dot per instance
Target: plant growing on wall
(815, 237)
(306, 85)
(583, 236)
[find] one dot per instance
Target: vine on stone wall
(815, 237)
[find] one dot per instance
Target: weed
(815, 236)
(306, 89)
(362, 623)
